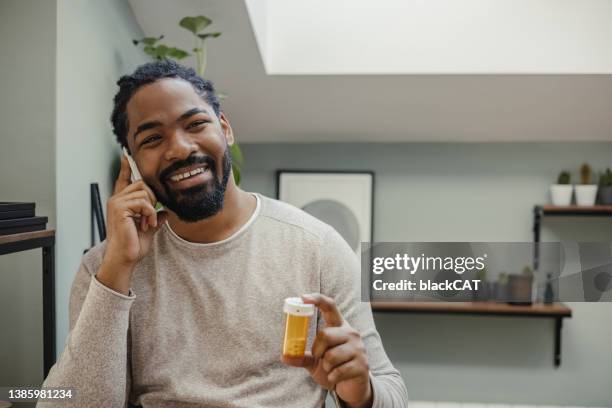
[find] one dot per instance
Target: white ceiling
(381, 108)
(433, 36)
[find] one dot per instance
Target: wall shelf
(539, 211)
(476, 308)
(556, 311)
(572, 210)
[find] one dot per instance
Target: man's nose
(180, 146)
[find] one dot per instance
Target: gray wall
(61, 61)
(94, 49)
(472, 192)
(27, 173)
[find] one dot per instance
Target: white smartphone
(135, 176)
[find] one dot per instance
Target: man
(184, 308)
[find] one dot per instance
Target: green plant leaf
(237, 162)
(237, 174)
(206, 35)
(195, 24)
(236, 153)
(564, 178)
(177, 53)
(150, 41)
(161, 51)
(150, 51)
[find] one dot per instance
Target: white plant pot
(561, 194)
(586, 194)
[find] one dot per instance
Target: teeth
(179, 177)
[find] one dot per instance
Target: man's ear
(227, 129)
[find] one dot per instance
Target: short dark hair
(147, 74)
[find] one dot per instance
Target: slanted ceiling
(292, 87)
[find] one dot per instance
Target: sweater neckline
(224, 241)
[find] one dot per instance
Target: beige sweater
(203, 326)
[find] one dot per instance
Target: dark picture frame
(367, 174)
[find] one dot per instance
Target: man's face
(180, 147)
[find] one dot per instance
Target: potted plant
(483, 293)
(605, 187)
(561, 193)
(520, 287)
(586, 191)
(501, 287)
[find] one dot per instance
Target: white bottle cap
(295, 306)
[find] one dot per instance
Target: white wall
(27, 163)
(94, 49)
(434, 36)
(472, 192)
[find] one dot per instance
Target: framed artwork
(342, 199)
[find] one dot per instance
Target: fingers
(139, 206)
(123, 180)
(307, 361)
(143, 223)
(138, 195)
(327, 338)
(339, 355)
(131, 195)
(140, 185)
(328, 308)
(123, 183)
(352, 369)
(155, 222)
(146, 219)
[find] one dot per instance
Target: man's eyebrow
(190, 113)
(146, 126)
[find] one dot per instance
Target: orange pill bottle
(297, 319)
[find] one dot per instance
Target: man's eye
(150, 139)
(196, 124)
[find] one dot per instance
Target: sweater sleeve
(94, 362)
(341, 281)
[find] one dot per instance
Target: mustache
(190, 161)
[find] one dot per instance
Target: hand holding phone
(131, 225)
(135, 176)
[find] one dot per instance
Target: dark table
(46, 240)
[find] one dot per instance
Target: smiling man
(184, 308)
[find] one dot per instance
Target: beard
(197, 202)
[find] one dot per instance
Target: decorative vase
(605, 195)
(520, 289)
(483, 293)
(586, 194)
(501, 291)
(561, 194)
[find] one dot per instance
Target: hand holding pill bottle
(297, 319)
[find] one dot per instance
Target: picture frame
(343, 199)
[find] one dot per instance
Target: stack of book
(20, 217)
